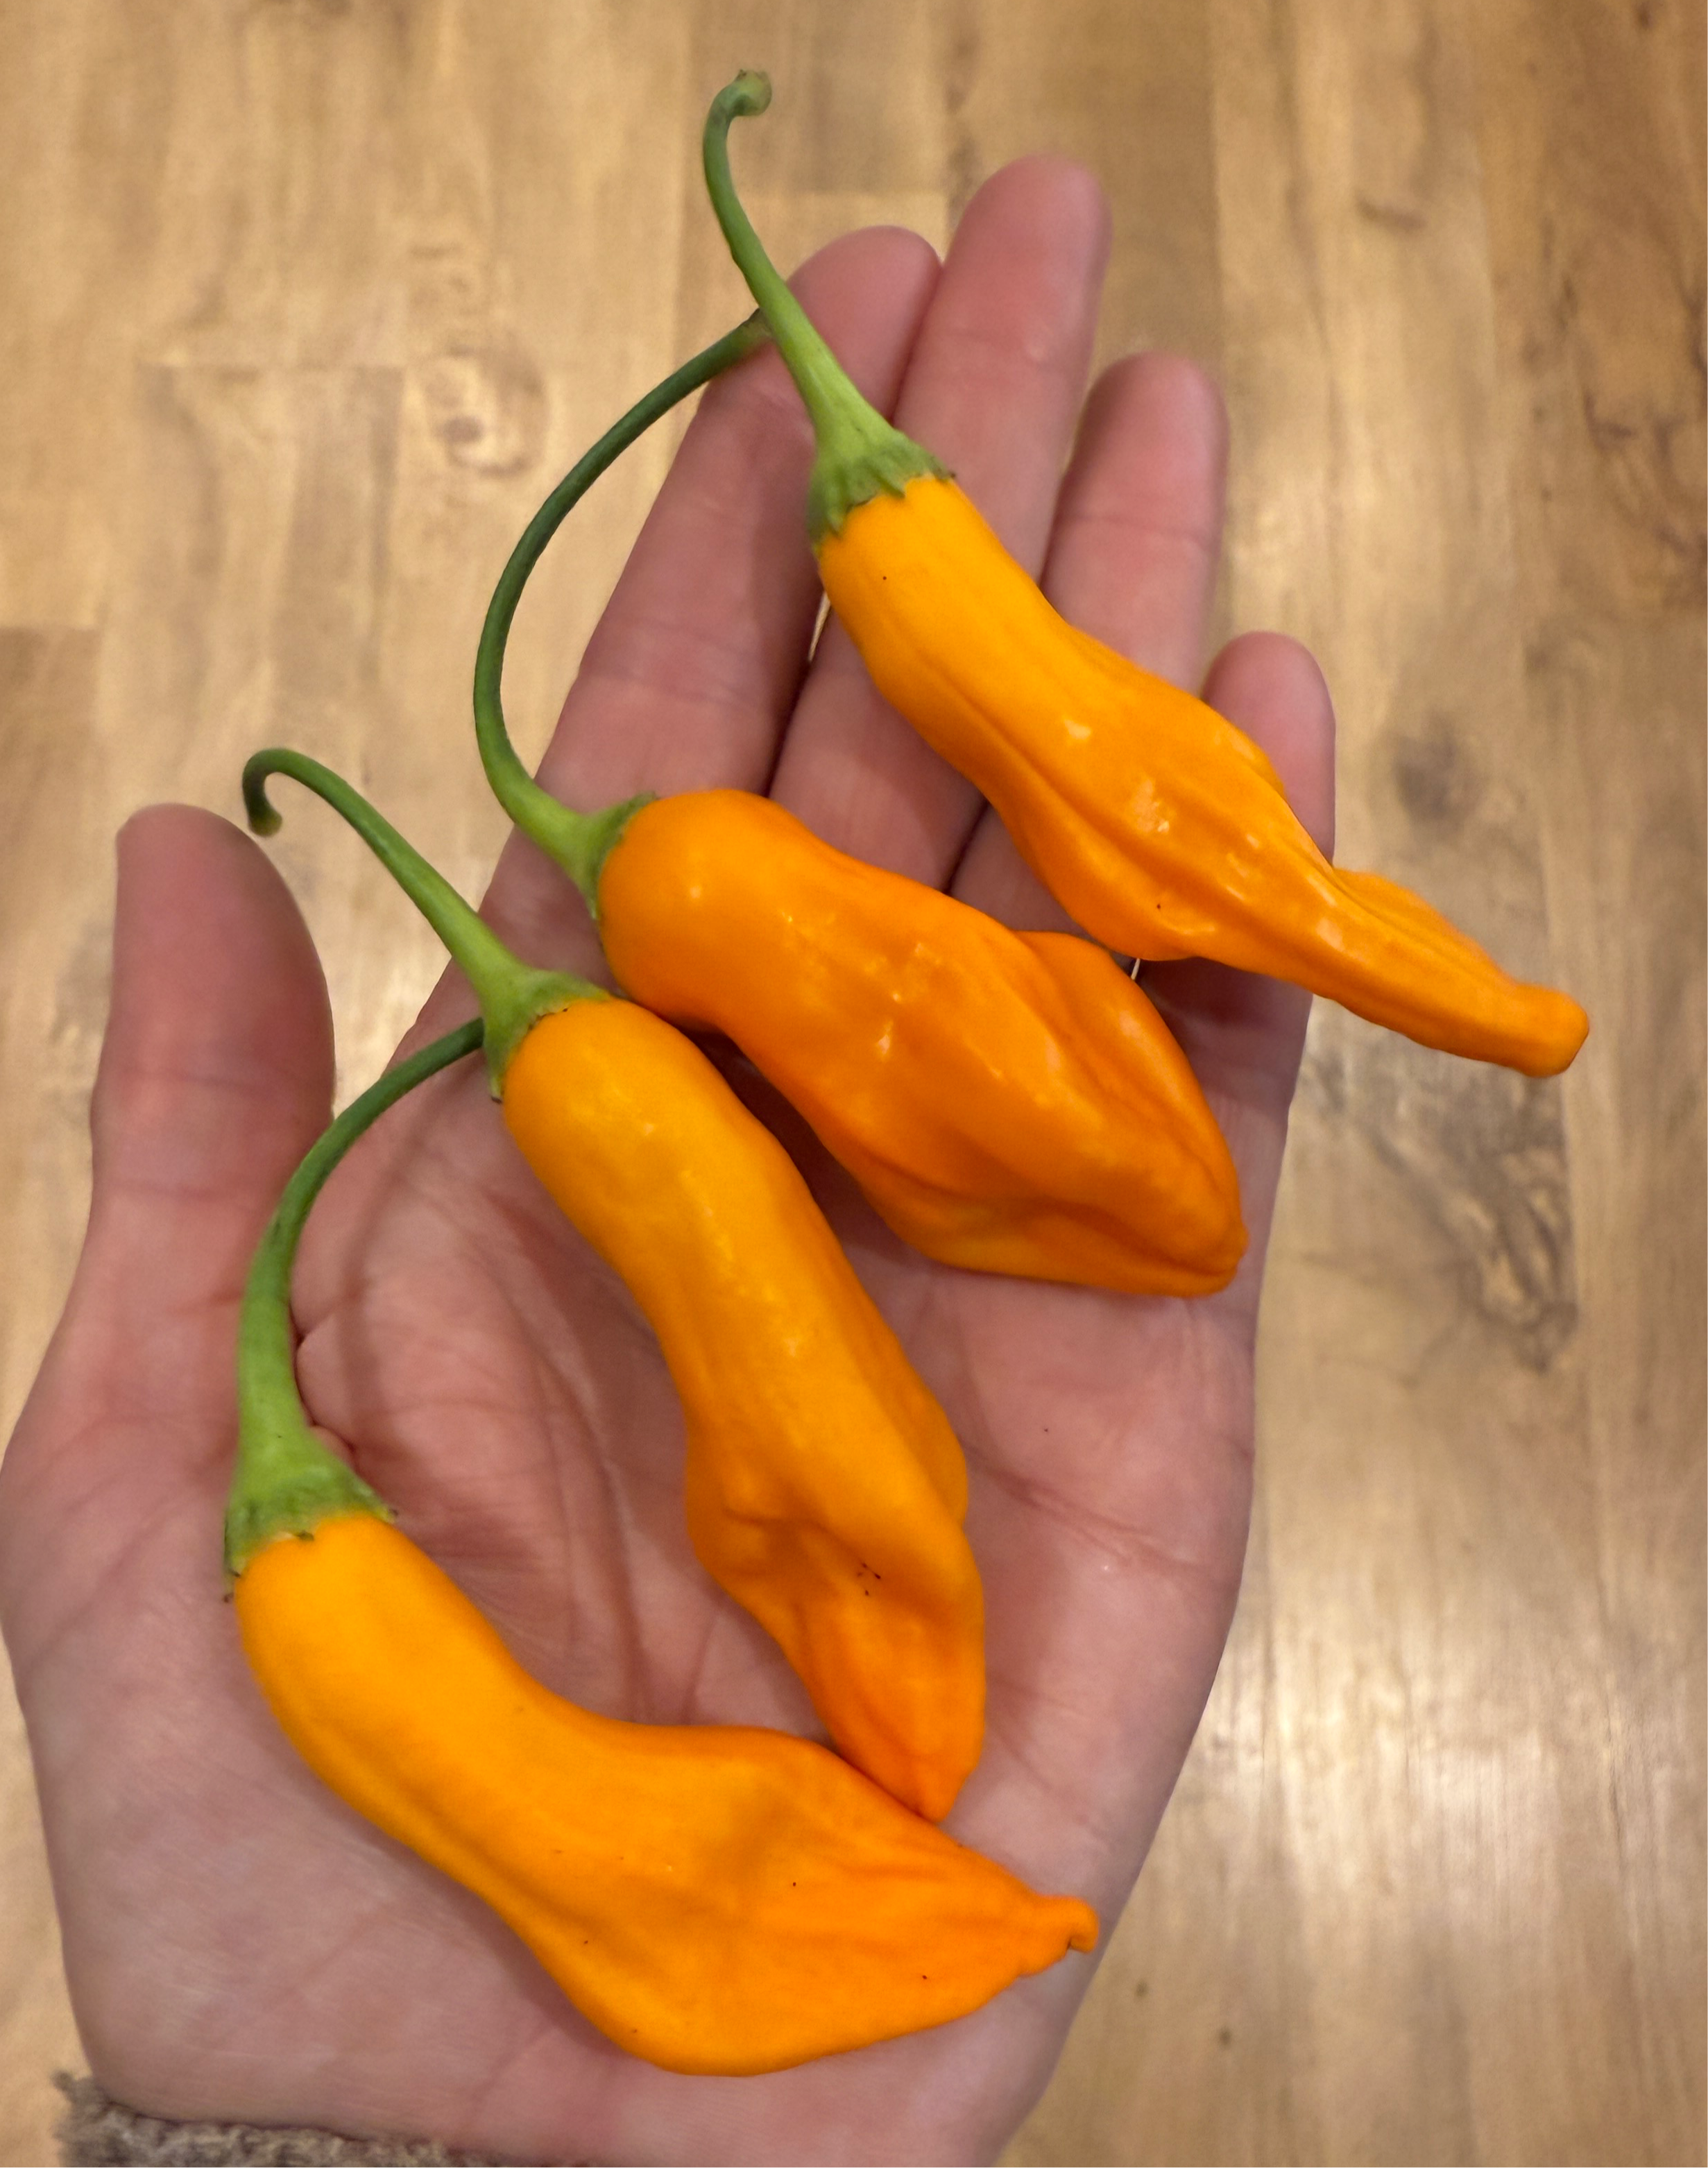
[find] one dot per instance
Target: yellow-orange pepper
(1162, 828)
(1008, 1102)
(825, 1487)
(719, 1900)
(1160, 825)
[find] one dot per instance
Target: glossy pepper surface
(1160, 826)
(717, 1899)
(1150, 817)
(825, 1488)
(1008, 1102)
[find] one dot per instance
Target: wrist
(98, 2128)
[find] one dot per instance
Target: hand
(239, 1944)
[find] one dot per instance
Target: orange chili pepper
(1008, 1102)
(718, 1899)
(1158, 825)
(825, 1487)
(825, 1490)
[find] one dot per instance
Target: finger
(215, 1075)
(992, 387)
(996, 379)
(1243, 1034)
(216, 1070)
(1137, 538)
(1132, 560)
(1274, 690)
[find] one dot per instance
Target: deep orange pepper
(825, 1490)
(825, 1487)
(1160, 826)
(1150, 817)
(1007, 1102)
(717, 1899)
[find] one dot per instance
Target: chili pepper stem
(859, 452)
(513, 995)
(580, 843)
(286, 1481)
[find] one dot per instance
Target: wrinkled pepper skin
(1161, 827)
(825, 1490)
(717, 1899)
(1009, 1102)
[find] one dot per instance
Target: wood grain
(308, 304)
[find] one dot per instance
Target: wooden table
(305, 305)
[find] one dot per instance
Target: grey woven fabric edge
(99, 2132)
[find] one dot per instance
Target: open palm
(239, 1944)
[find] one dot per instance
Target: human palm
(239, 1944)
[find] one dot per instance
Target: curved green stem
(286, 1481)
(859, 452)
(513, 995)
(579, 842)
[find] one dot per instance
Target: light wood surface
(305, 304)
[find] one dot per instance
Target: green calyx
(286, 1481)
(580, 843)
(513, 995)
(859, 452)
(843, 478)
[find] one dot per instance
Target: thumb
(216, 1071)
(215, 1075)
